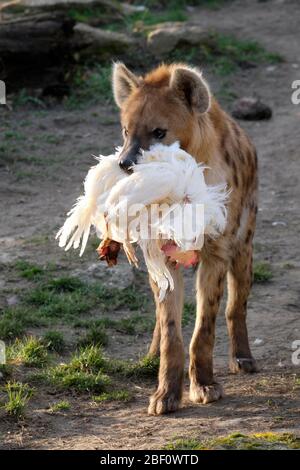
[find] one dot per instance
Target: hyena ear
(123, 82)
(191, 88)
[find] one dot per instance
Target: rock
(12, 300)
(251, 109)
(166, 37)
(279, 223)
(258, 342)
(97, 41)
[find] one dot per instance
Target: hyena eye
(159, 133)
(125, 132)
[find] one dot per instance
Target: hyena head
(163, 106)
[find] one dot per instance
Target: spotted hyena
(174, 103)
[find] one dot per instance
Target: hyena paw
(205, 393)
(246, 365)
(163, 402)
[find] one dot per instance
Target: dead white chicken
(121, 208)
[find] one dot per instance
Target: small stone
(12, 300)
(251, 109)
(279, 222)
(258, 341)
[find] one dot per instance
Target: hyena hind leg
(239, 280)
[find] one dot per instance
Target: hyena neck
(204, 144)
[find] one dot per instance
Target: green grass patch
(12, 325)
(30, 352)
(29, 270)
(104, 322)
(64, 299)
(127, 325)
(262, 272)
(224, 54)
(89, 359)
(84, 372)
(54, 341)
(116, 395)
(89, 371)
(90, 86)
(61, 377)
(101, 14)
(13, 135)
(15, 320)
(21, 175)
(189, 313)
(18, 395)
(96, 336)
(52, 139)
(57, 305)
(183, 444)
(68, 297)
(33, 160)
(149, 18)
(96, 329)
(154, 13)
(63, 405)
(23, 98)
(133, 325)
(9, 153)
(84, 15)
(238, 441)
(64, 284)
(146, 367)
(6, 371)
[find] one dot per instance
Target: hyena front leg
(210, 285)
(239, 285)
(170, 379)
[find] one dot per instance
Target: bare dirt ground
(34, 200)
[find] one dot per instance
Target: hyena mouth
(129, 157)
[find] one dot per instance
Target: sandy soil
(33, 206)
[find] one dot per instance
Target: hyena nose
(127, 164)
(128, 157)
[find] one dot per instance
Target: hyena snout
(129, 156)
